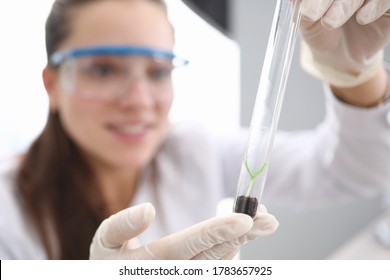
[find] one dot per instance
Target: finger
(261, 209)
(231, 255)
(193, 240)
(314, 10)
(220, 251)
(125, 225)
(339, 12)
(229, 249)
(264, 225)
(372, 10)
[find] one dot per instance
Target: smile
(131, 129)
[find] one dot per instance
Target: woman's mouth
(131, 129)
(130, 132)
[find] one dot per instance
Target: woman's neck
(117, 186)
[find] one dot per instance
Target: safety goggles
(105, 72)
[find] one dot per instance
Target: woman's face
(122, 132)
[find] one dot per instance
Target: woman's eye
(160, 73)
(102, 70)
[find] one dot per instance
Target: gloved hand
(344, 39)
(215, 238)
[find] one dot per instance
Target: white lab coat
(347, 156)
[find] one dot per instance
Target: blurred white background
(209, 81)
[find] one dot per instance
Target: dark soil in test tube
(246, 205)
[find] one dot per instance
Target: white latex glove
(264, 224)
(215, 238)
(344, 39)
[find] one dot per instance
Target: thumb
(119, 228)
(192, 241)
(125, 225)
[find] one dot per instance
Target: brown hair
(57, 185)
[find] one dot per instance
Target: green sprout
(253, 175)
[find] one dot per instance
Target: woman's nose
(136, 92)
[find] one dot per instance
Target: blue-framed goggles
(57, 58)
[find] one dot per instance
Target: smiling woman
(109, 85)
(28, 117)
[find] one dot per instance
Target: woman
(108, 145)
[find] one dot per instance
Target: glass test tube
(267, 108)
